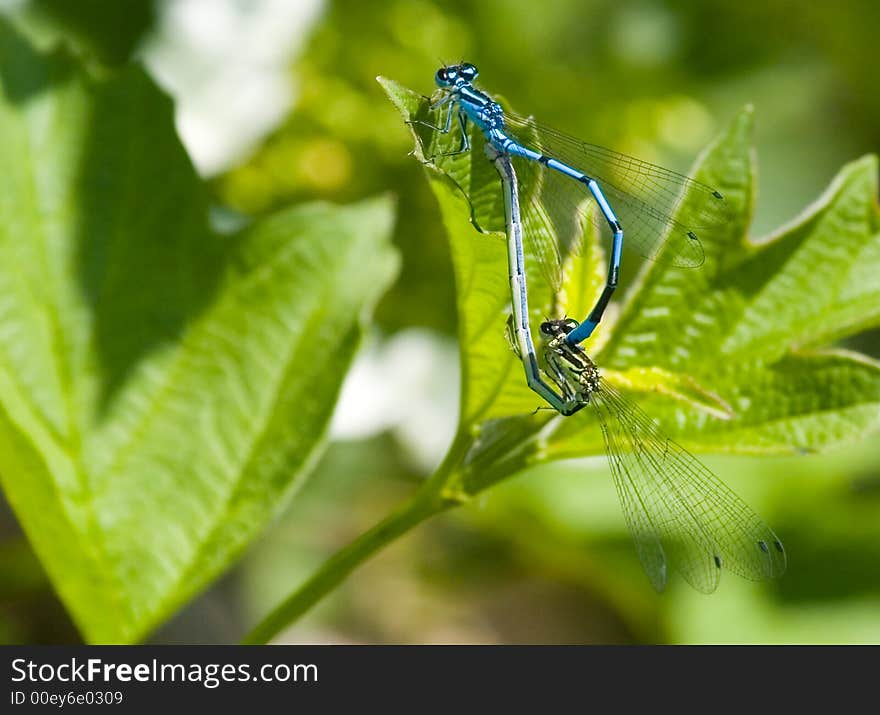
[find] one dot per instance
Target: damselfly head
(454, 74)
(551, 329)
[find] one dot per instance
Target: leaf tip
(744, 120)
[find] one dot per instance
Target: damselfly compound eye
(468, 71)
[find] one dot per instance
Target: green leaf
(107, 30)
(163, 388)
(729, 356)
(751, 322)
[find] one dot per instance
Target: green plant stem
(427, 502)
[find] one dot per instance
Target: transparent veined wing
(647, 199)
(676, 508)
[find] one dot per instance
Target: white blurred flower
(227, 64)
(407, 384)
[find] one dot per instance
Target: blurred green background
(277, 103)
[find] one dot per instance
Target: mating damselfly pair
(676, 509)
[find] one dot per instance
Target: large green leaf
(729, 357)
(163, 387)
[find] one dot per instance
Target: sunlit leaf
(163, 388)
